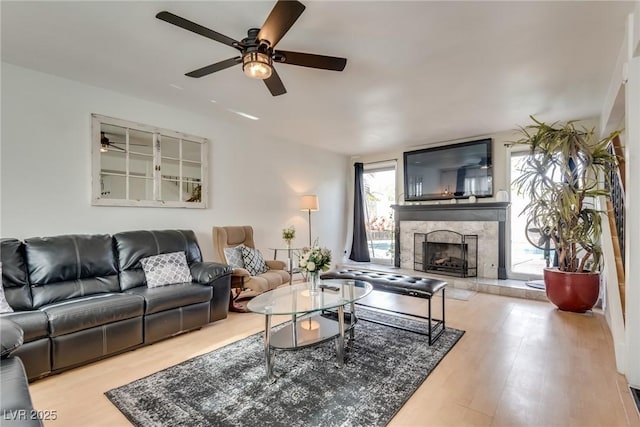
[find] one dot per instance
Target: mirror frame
(98, 120)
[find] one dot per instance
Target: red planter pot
(577, 292)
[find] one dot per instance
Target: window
(141, 165)
(379, 188)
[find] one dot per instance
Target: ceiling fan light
(104, 148)
(257, 65)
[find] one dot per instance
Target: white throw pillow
(166, 269)
(234, 256)
(253, 261)
(4, 305)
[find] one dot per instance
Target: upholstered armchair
(244, 277)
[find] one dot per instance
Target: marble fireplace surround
(487, 220)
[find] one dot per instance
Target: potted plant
(561, 178)
(288, 234)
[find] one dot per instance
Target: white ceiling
(417, 72)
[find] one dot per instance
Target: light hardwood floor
(520, 363)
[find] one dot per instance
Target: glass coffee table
(316, 317)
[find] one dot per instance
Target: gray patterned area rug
(227, 386)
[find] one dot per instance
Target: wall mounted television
(451, 171)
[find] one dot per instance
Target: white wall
(46, 169)
(632, 238)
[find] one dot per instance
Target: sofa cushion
(267, 281)
(171, 296)
(132, 246)
(14, 274)
(83, 313)
(70, 257)
(62, 291)
(234, 256)
(64, 267)
(166, 269)
(34, 323)
(253, 261)
(11, 337)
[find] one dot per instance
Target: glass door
(380, 193)
(530, 251)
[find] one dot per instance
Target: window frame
(97, 199)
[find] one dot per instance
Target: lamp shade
(309, 203)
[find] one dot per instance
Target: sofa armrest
(276, 264)
(16, 405)
(11, 336)
(240, 272)
(207, 272)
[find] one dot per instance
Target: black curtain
(359, 250)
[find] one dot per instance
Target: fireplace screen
(446, 252)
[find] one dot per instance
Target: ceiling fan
(106, 143)
(257, 50)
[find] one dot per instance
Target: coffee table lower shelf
(317, 316)
(310, 330)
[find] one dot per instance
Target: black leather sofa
(15, 401)
(80, 298)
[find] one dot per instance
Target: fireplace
(446, 252)
(487, 220)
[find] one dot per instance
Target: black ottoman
(420, 287)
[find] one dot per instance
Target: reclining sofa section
(80, 298)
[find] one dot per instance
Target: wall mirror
(141, 165)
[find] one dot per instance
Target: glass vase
(314, 281)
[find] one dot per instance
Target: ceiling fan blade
(282, 17)
(274, 84)
(113, 146)
(310, 60)
(198, 29)
(204, 71)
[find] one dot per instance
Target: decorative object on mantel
(311, 262)
(574, 159)
(453, 201)
(502, 196)
(472, 199)
(313, 391)
(288, 234)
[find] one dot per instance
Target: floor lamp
(309, 203)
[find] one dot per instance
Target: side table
(290, 268)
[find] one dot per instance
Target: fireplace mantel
(496, 212)
(452, 212)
